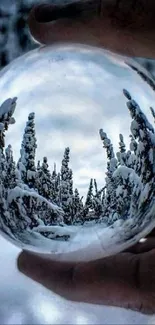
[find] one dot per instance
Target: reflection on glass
(77, 152)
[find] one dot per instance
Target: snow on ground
(87, 242)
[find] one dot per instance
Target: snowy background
(22, 301)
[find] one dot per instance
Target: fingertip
(21, 261)
(24, 262)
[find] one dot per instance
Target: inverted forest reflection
(41, 205)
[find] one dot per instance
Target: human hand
(123, 26)
(125, 280)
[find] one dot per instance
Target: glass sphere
(77, 152)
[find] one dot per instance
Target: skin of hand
(127, 279)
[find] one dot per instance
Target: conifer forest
(34, 196)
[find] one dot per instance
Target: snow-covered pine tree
(122, 175)
(144, 134)
(124, 157)
(55, 194)
(121, 154)
(11, 175)
(38, 166)
(103, 193)
(147, 77)
(70, 178)
(31, 209)
(97, 202)
(57, 190)
(89, 197)
(143, 131)
(6, 118)
(96, 188)
(65, 185)
(78, 208)
(48, 188)
(97, 208)
(45, 179)
(54, 173)
(88, 206)
(131, 154)
(110, 198)
(153, 113)
(26, 163)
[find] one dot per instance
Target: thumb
(123, 26)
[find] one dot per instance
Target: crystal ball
(77, 152)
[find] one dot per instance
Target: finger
(53, 275)
(118, 280)
(124, 26)
(142, 247)
(152, 233)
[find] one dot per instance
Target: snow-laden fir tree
(142, 130)
(89, 197)
(57, 189)
(66, 187)
(153, 113)
(121, 155)
(70, 182)
(144, 134)
(56, 197)
(88, 206)
(110, 199)
(26, 163)
(78, 208)
(11, 174)
(45, 188)
(98, 205)
(6, 118)
(135, 179)
(45, 180)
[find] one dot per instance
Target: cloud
(73, 94)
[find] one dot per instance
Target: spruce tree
(121, 155)
(55, 187)
(97, 202)
(26, 163)
(142, 130)
(88, 206)
(110, 200)
(153, 113)
(6, 118)
(78, 208)
(89, 197)
(45, 180)
(66, 187)
(143, 144)
(11, 175)
(70, 179)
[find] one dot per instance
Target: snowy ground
(86, 242)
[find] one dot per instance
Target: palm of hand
(125, 280)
